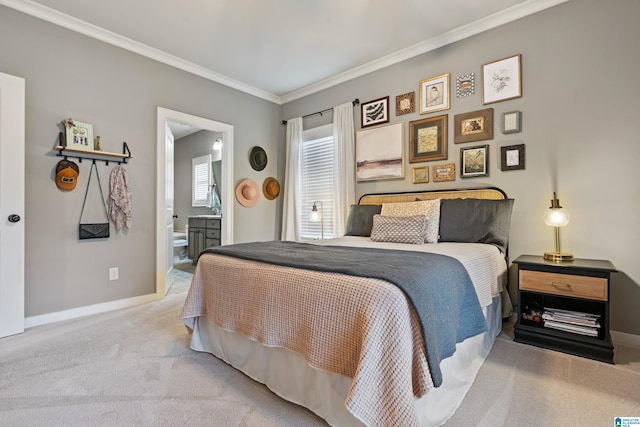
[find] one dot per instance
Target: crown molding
(500, 18)
(53, 16)
(492, 21)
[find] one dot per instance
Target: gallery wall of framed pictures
(381, 137)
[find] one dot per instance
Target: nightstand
(564, 306)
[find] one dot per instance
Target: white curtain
(291, 194)
(345, 185)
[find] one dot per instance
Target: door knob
(175, 216)
(14, 218)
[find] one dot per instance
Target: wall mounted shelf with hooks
(103, 156)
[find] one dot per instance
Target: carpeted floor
(133, 367)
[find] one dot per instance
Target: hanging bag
(95, 230)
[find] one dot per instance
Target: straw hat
(247, 192)
(271, 188)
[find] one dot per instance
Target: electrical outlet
(113, 273)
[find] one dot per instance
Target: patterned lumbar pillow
(428, 208)
(406, 229)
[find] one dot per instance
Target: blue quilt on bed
(438, 286)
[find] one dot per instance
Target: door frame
(165, 115)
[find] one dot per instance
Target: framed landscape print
(379, 152)
(501, 80)
(79, 135)
(434, 94)
(474, 161)
(428, 139)
(473, 126)
(375, 112)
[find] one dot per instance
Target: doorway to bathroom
(165, 202)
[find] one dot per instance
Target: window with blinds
(317, 182)
(201, 179)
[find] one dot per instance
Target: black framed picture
(474, 161)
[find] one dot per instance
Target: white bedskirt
(288, 375)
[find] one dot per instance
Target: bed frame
(492, 193)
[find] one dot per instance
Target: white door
(169, 199)
(11, 205)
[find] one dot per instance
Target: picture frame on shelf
(512, 157)
(434, 94)
(428, 139)
(501, 80)
(420, 174)
(374, 112)
(78, 135)
(474, 161)
(465, 85)
(380, 152)
(511, 122)
(405, 103)
(443, 172)
(473, 126)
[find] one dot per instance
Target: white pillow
(398, 229)
(429, 208)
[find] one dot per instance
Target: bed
(353, 347)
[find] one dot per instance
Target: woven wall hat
(248, 192)
(258, 158)
(67, 175)
(271, 188)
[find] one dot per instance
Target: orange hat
(271, 188)
(67, 175)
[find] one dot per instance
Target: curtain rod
(354, 102)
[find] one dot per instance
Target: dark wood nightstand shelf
(582, 286)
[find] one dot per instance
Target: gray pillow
(399, 229)
(360, 220)
(476, 221)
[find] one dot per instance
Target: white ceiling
(280, 50)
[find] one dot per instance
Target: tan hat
(248, 192)
(271, 188)
(67, 175)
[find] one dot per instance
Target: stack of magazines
(576, 322)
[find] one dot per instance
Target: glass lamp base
(558, 256)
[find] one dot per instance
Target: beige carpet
(133, 367)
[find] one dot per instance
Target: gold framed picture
(434, 94)
(443, 172)
(428, 139)
(405, 103)
(420, 174)
(473, 126)
(501, 80)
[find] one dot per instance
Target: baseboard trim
(626, 339)
(73, 313)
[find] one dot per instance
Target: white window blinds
(317, 182)
(201, 179)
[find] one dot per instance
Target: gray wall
(185, 149)
(70, 75)
(580, 102)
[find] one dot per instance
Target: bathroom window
(201, 179)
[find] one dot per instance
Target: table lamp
(557, 217)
